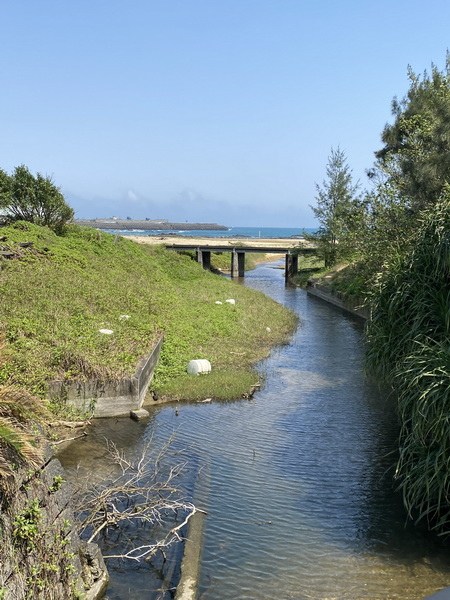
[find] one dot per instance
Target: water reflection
(296, 483)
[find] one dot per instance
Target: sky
(205, 110)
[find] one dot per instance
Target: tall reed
(409, 345)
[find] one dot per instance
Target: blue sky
(205, 110)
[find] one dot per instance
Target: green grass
(58, 294)
(309, 267)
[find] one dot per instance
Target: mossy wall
(41, 555)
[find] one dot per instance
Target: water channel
(296, 482)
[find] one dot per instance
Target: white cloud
(132, 196)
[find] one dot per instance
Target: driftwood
(69, 439)
(70, 424)
(142, 493)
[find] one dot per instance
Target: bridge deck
(266, 245)
(236, 248)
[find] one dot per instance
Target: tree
(33, 198)
(337, 210)
(410, 173)
(416, 153)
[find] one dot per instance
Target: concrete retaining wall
(109, 398)
(353, 307)
(41, 555)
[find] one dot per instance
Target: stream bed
(297, 482)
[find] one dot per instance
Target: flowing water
(296, 483)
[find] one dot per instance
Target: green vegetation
(398, 257)
(57, 295)
(337, 210)
(33, 198)
(409, 343)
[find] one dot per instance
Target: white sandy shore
(215, 241)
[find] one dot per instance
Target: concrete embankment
(352, 306)
(190, 566)
(109, 398)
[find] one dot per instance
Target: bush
(33, 198)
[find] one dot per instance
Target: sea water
(244, 232)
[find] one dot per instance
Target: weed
(26, 525)
(58, 480)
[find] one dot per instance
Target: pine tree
(337, 209)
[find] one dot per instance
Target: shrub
(33, 198)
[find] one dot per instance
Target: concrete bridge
(292, 249)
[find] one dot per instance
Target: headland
(148, 225)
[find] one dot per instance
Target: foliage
(26, 525)
(309, 266)
(408, 344)
(398, 258)
(416, 154)
(33, 198)
(337, 210)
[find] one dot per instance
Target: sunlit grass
(56, 296)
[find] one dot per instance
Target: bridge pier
(237, 263)
(291, 266)
(204, 258)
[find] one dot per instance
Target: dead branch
(84, 434)
(140, 492)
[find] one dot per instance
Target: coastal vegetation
(33, 198)
(395, 242)
(63, 294)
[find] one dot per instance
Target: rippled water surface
(295, 482)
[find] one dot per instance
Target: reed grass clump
(409, 344)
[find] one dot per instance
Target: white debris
(219, 302)
(199, 366)
(231, 301)
(124, 317)
(107, 331)
(268, 329)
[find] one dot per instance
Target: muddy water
(297, 482)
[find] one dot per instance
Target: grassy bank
(57, 294)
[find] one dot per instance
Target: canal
(297, 482)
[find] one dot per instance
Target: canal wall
(353, 306)
(41, 554)
(109, 398)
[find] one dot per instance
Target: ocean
(242, 232)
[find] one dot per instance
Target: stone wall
(41, 555)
